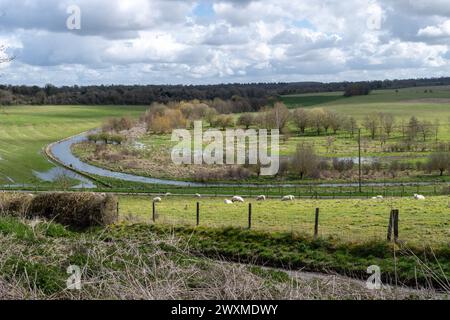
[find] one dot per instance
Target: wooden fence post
(249, 216)
(316, 225)
(393, 224)
(198, 213)
(153, 211)
(396, 214)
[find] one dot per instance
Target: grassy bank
(147, 262)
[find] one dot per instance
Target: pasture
(26, 130)
(421, 222)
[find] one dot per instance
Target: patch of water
(56, 173)
(139, 145)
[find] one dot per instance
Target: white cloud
(163, 41)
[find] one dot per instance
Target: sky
(84, 42)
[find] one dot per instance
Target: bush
(343, 165)
(77, 210)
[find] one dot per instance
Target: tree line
(251, 96)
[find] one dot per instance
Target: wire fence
(354, 220)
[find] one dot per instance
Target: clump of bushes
(106, 138)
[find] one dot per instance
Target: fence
(354, 220)
(301, 191)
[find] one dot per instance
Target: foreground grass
(147, 262)
(421, 222)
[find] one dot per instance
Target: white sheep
(419, 197)
(261, 198)
(378, 198)
(226, 201)
(288, 198)
(237, 199)
(157, 199)
(197, 195)
(167, 194)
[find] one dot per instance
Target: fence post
(393, 224)
(198, 213)
(153, 211)
(316, 225)
(249, 216)
(396, 214)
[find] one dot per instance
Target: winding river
(62, 152)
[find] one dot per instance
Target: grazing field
(421, 222)
(25, 130)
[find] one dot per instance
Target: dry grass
(77, 210)
(32, 266)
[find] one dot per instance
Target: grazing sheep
(378, 198)
(419, 197)
(167, 194)
(226, 201)
(197, 195)
(237, 199)
(288, 198)
(157, 199)
(261, 198)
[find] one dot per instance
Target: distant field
(407, 95)
(25, 130)
(350, 220)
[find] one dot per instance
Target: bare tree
(246, 120)
(387, 122)
(300, 118)
(304, 161)
(413, 128)
(439, 161)
(372, 122)
(351, 125)
(335, 120)
(425, 129)
(280, 115)
(317, 117)
(5, 96)
(3, 55)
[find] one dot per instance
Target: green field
(26, 130)
(421, 222)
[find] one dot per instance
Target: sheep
(226, 201)
(419, 197)
(378, 198)
(261, 198)
(167, 194)
(237, 199)
(157, 199)
(288, 198)
(197, 195)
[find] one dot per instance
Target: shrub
(343, 164)
(439, 161)
(77, 210)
